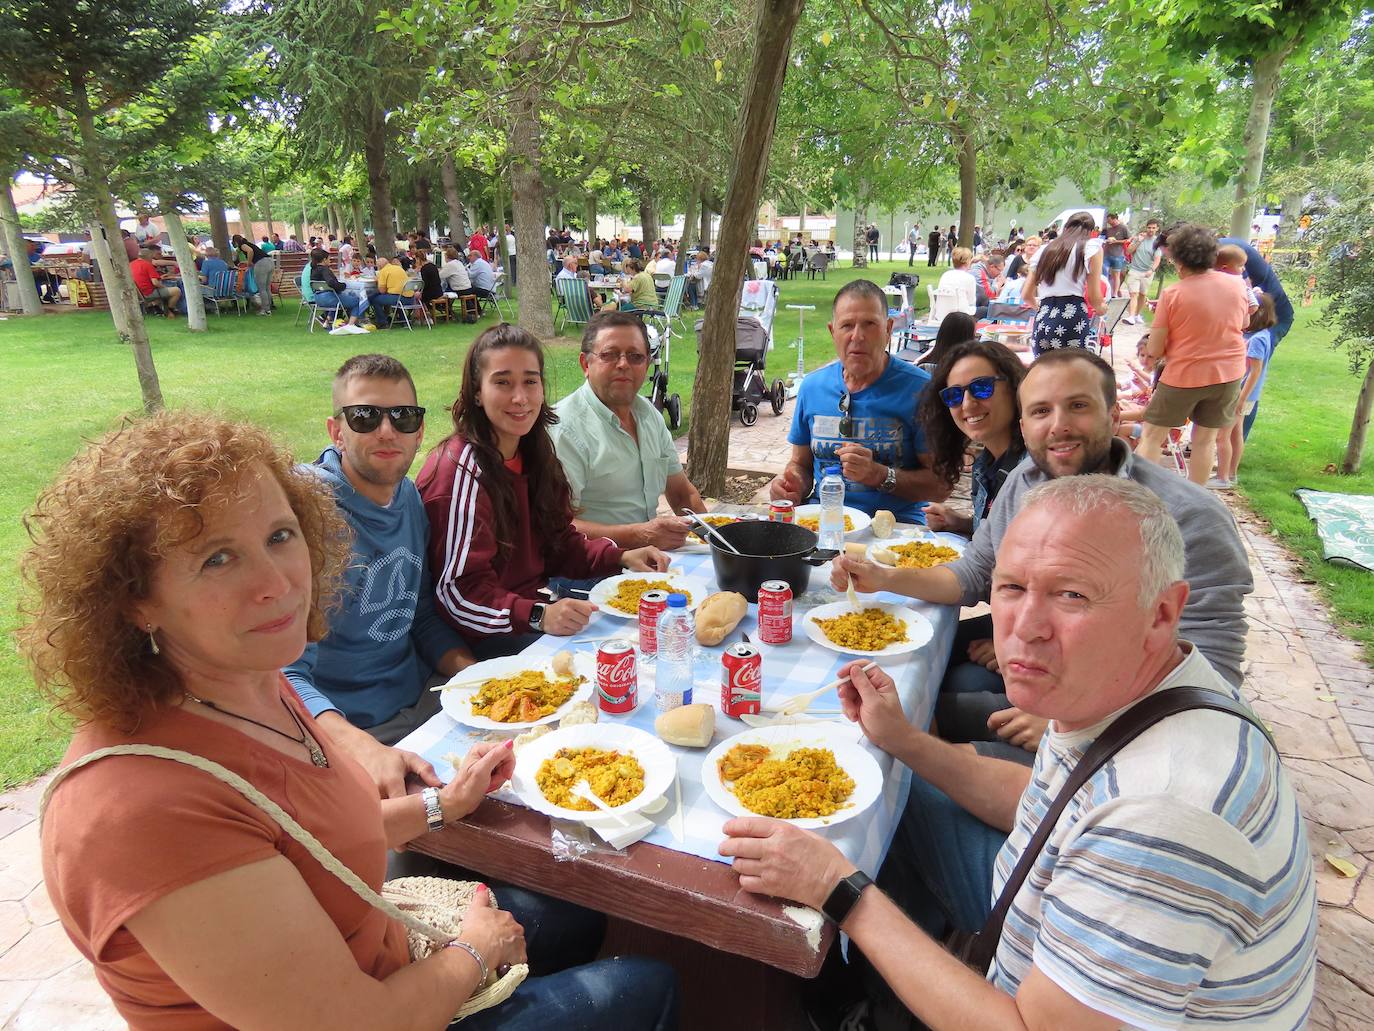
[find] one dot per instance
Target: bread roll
(853, 550)
(578, 712)
(884, 522)
(718, 615)
(533, 734)
(691, 726)
(563, 664)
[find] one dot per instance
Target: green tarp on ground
(1345, 524)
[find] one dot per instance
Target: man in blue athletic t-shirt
(861, 413)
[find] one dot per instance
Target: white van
(1099, 216)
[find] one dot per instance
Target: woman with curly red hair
(178, 563)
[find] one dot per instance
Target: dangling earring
(152, 641)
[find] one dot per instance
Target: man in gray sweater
(1069, 417)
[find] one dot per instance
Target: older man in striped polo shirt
(1176, 888)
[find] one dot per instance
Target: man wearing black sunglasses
(861, 413)
(365, 681)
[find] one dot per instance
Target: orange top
(1205, 316)
(128, 830)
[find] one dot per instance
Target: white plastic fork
(583, 789)
(799, 704)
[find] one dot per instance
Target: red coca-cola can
(741, 680)
(651, 606)
(775, 612)
(782, 511)
(617, 680)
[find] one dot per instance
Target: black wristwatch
(845, 897)
(537, 616)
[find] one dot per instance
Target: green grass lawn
(69, 379)
(1304, 422)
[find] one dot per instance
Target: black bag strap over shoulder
(978, 950)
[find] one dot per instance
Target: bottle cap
(831, 470)
(677, 601)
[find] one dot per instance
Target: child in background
(1259, 345)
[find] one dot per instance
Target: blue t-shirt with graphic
(884, 415)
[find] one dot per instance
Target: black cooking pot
(769, 551)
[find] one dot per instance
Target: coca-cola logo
(620, 673)
(748, 676)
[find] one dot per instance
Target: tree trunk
(989, 206)
(245, 218)
(590, 215)
(359, 225)
(17, 249)
(102, 256)
(454, 202)
(709, 436)
(424, 211)
(648, 220)
(535, 302)
(305, 224)
(267, 211)
(1266, 84)
(891, 236)
(119, 282)
(860, 241)
(186, 263)
(378, 179)
(336, 220)
(968, 186)
(1364, 405)
(705, 238)
(693, 198)
(219, 225)
(801, 223)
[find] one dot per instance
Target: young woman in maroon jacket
(500, 512)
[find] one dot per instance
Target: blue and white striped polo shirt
(1177, 889)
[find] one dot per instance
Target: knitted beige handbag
(430, 908)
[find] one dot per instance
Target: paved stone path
(1304, 679)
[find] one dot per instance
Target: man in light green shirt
(615, 448)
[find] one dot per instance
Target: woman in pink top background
(1199, 331)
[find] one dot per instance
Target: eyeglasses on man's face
(613, 357)
(846, 420)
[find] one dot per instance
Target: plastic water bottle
(673, 675)
(832, 510)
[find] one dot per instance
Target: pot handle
(819, 556)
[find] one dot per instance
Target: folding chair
(320, 314)
(225, 290)
(411, 304)
(500, 297)
(577, 302)
(671, 310)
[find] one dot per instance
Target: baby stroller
(659, 324)
(659, 353)
(753, 341)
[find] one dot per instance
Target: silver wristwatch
(434, 812)
(889, 483)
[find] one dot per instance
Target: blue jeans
(626, 993)
(568, 988)
(970, 693)
(381, 305)
(348, 300)
(939, 868)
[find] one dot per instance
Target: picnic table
(673, 882)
